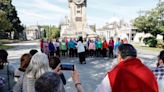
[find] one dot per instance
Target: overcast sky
(52, 12)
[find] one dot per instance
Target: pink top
(125, 42)
(92, 46)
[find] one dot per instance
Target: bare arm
(76, 80)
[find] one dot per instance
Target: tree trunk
(10, 35)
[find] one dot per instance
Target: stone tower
(76, 23)
(78, 18)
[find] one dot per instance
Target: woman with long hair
(81, 51)
(38, 65)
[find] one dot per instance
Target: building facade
(34, 32)
(116, 27)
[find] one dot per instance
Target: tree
(12, 17)
(52, 31)
(4, 22)
(152, 22)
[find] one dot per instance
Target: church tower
(78, 18)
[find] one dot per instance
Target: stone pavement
(91, 74)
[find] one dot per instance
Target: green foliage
(145, 40)
(4, 22)
(152, 21)
(6, 47)
(52, 31)
(12, 21)
(162, 30)
(150, 41)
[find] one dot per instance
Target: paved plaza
(91, 73)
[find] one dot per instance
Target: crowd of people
(81, 47)
(41, 71)
(36, 71)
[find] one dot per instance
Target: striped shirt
(159, 73)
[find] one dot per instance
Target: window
(78, 6)
(78, 18)
(78, 11)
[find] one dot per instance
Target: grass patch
(7, 41)
(6, 47)
(147, 48)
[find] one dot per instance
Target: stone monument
(76, 24)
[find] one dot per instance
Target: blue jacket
(71, 44)
(51, 47)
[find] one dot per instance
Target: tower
(76, 24)
(78, 19)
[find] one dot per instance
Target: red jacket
(41, 44)
(132, 76)
(105, 45)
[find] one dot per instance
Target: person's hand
(76, 80)
(75, 76)
(57, 69)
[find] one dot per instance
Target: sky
(52, 12)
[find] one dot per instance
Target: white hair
(39, 64)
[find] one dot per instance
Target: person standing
(57, 46)
(159, 71)
(6, 73)
(24, 62)
(125, 41)
(54, 63)
(51, 48)
(99, 47)
(75, 49)
(92, 48)
(71, 46)
(105, 47)
(129, 75)
(41, 45)
(38, 65)
(116, 45)
(86, 47)
(81, 51)
(96, 51)
(46, 48)
(111, 47)
(63, 47)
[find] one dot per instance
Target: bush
(160, 45)
(150, 41)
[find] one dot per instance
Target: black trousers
(63, 52)
(71, 52)
(99, 52)
(52, 53)
(110, 51)
(104, 52)
(91, 53)
(82, 57)
(75, 52)
(58, 52)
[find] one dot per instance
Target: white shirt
(80, 47)
(104, 86)
(161, 85)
